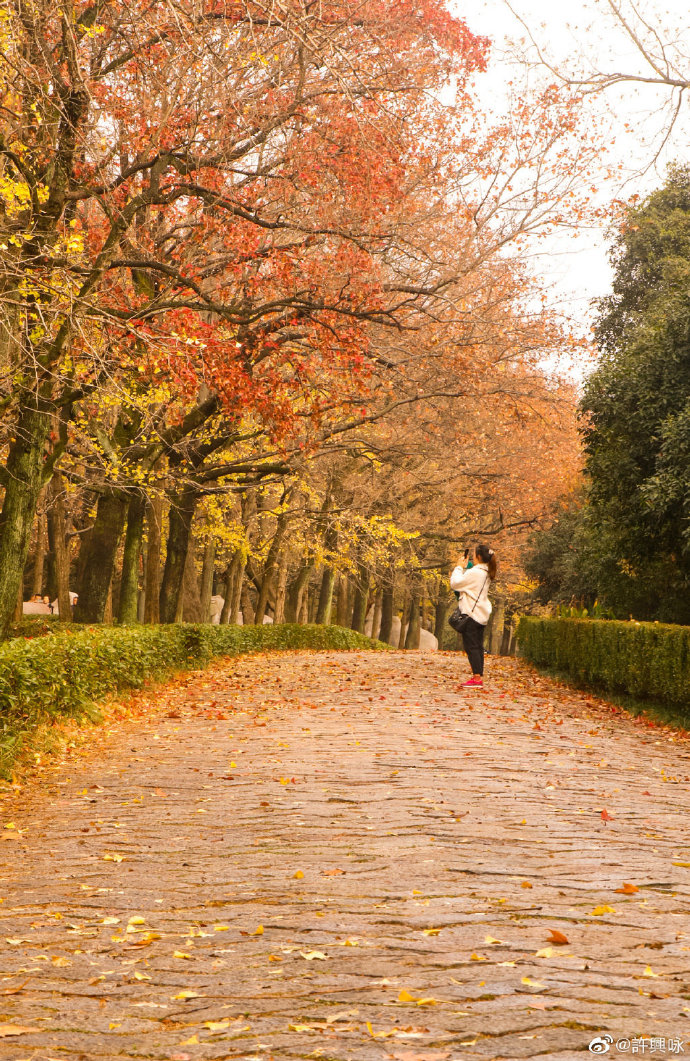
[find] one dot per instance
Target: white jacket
(473, 586)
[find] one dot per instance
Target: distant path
(361, 861)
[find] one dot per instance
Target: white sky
(582, 31)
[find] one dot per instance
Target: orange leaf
(628, 888)
(557, 937)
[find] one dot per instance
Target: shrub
(63, 674)
(649, 661)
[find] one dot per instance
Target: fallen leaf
(605, 816)
(526, 884)
(113, 858)
(180, 954)
(405, 996)
(258, 931)
(313, 955)
(648, 972)
(599, 911)
(298, 875)
(192, 1041)
(431, 931)
(557, 937)
(182, 996)
(15, 1029)
(533, 983)
(492, 939)
(628, 888)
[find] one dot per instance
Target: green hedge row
(649, 661)
(45, 677)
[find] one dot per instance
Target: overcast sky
(581, 31)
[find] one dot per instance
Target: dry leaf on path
(557, 937)
(15, 1029)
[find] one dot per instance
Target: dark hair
(487, 556)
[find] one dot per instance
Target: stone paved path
(359, 862)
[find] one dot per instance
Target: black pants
(473, 641)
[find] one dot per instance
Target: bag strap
(476, 599)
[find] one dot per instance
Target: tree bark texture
(40, 550)
(23, 482)
(403, 620)
(154, 523)
(99, 561)
(129, 582)
(386, 613)
(414, 626)
(207, 579)
(270, 567)
(281, 588)
(361, 599)
(179, 531)
(57, 522)
(295, 593)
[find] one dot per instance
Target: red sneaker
(474, 683)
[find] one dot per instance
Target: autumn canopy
(262, 296)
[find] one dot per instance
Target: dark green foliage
(648, 661)
(637, 404)
(559, 559)
(63, 674)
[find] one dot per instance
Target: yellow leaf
(478, 958)
(506, 963)
(10, 825)
(258, 931)
(599, 911)
(114, 1024)
(532, 983)
(110, 921)
(61, 962)
(674, 863)
(221, 928)
(141, 976)
(427, 1002)
(136, 921)
(300, 1028)
(648, 972)
(526, 884)
(431, 931)
(113, 858)
(545, 953)
(233, 764)
(217, 1025)
(184, 995)
(15, 1029)
(148, 937)
(298, 875)
(311, 955)
(492, 939)
(405, 996)
(180, 954)
(192, 1041)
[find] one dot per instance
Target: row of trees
(261, 311)
(624, 539)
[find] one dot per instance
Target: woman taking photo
(472, 585)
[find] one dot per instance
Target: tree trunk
(233, 588)
(386, 613)
(99, 561)
(325, 605)
(19, 606)
(129, 582)
(40, 551)
(23, 483)
(361, 601)
(246, 602)
(179, 530)
(207, 579)
(295, 593)
(403, 616)
(498, 617)
(269, 572)
(376, 618)
(413, 627)
(57, 525)
(342, 610)
(281, 588)
(154, 522)
(189, 602)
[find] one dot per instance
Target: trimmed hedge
(649, 661)
(44, 677)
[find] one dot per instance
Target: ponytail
(488, 557)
